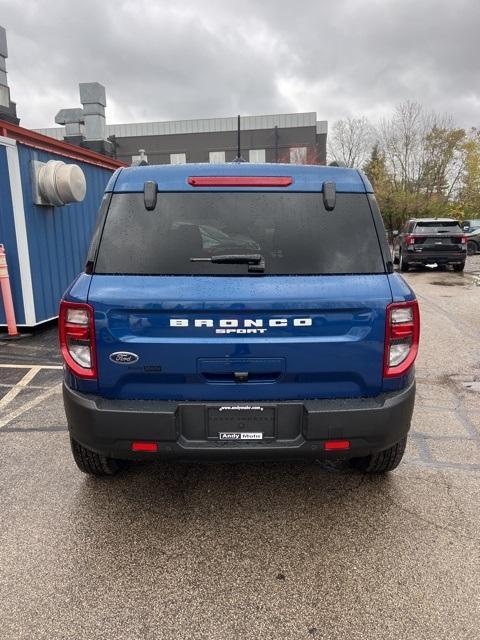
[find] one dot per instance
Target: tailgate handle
(241, 377)
(240, 370)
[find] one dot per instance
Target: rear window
(438, 226)
(292, 232)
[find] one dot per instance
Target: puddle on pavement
(449, 283)
(468, 382)
(466, 280)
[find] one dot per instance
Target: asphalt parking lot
(249, 551)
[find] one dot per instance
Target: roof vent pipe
(8, 109)
(94, 101)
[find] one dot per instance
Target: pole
(7, 294)
(239, 151)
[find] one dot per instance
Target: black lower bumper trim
(181, 429)
(439, 258)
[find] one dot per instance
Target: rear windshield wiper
(255, 261)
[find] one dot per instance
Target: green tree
(441, 164)
(377, 172)
(469, 191)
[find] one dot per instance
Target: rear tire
(471, 248)
(458, 267)
(93, 463)
(403, 264)
(381, 462)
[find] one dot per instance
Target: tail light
(77, 338)
(460, 239)
(410, 240)
(401, 337)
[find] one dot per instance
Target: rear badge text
(247, 325)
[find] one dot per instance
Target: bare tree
(420, 162)
(351, 141)
(401, 142)
(422, 150)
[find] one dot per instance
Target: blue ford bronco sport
(239, 311)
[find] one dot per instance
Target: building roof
(46, 143)
(307, 178)
(206, 125)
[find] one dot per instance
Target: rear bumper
(181, 431)
(440, 257)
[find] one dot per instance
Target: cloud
(161, 61)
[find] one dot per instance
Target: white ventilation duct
(56, 183)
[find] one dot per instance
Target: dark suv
(424, 241)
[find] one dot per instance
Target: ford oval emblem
(123, 357)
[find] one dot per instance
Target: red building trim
(45, 143)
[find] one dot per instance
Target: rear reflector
(240, 181)
(144, 446)
(337, 445)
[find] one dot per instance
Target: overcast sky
(162, 60)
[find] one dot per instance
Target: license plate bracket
(241, 419)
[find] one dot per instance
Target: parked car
(473, 242)
(469, 226)
(177, 346)
(424, 241)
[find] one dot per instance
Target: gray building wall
(196, 146)
(276, 134)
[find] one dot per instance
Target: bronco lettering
(247, 325)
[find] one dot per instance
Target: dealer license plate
(241, 422)
(247, 435)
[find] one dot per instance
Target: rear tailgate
(438, 236)
(438, 242)
(240, 338)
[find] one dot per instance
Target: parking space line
(30, 386)
(30, 405)
(21, 384)
(30, 366)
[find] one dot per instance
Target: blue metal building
(45, 246)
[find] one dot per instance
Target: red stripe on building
(65, 149)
